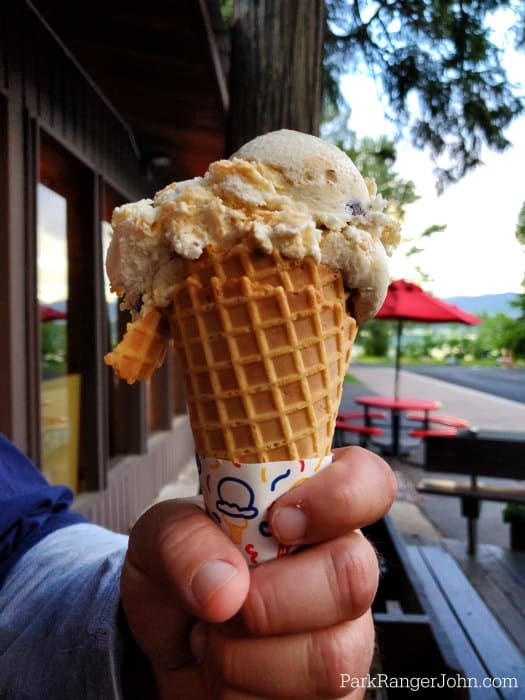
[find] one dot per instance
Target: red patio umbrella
(406, 301)
(49, 313)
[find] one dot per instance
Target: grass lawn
(350, 379)
(428, 361)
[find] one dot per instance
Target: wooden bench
(422, 588)
(489, 454)
(364, 430)
(471, 631)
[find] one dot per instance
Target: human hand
(288, 628)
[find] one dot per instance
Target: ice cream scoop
(311, 171)
(285, 191)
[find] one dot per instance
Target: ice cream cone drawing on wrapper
(235, 528)
(236, 504)
(260, 273)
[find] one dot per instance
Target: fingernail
(212, 576)
(289, 524)
(198, 641)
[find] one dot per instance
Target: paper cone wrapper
(238, 496)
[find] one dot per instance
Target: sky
(52, 258)
(478, 252)
(51, 246)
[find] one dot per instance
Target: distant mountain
(60, 305)
(487, 303)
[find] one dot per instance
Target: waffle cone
(264, 342)
(142, 349)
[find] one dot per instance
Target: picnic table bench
(345, 424)
(451, 425)
(423, 589)
(448, 421)
(485, 454)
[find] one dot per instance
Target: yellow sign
(60, 429)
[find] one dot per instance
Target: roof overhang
(159, 65)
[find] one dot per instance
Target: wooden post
(276, 68)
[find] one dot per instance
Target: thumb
(181, 550)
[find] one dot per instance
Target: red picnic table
(396, 406)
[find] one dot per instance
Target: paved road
(483, 409)
(507, 383)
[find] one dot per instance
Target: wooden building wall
(36, 68)
(45, 93)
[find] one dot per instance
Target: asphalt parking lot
(508, 383)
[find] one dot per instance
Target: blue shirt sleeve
(59, 606)
(30, 508)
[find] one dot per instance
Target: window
(60, 386)
(87, 415)
(70, 432)
(60, 389)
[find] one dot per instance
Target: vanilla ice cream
(284, 191)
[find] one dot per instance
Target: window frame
(59, 168)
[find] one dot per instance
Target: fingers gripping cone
(264, 342)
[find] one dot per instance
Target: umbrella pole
(398, 358)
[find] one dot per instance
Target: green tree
(374, 338)
(499, 332)
(520, 225)
(435, 60)
(53, 343)
(438, 67)
(519, 303)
